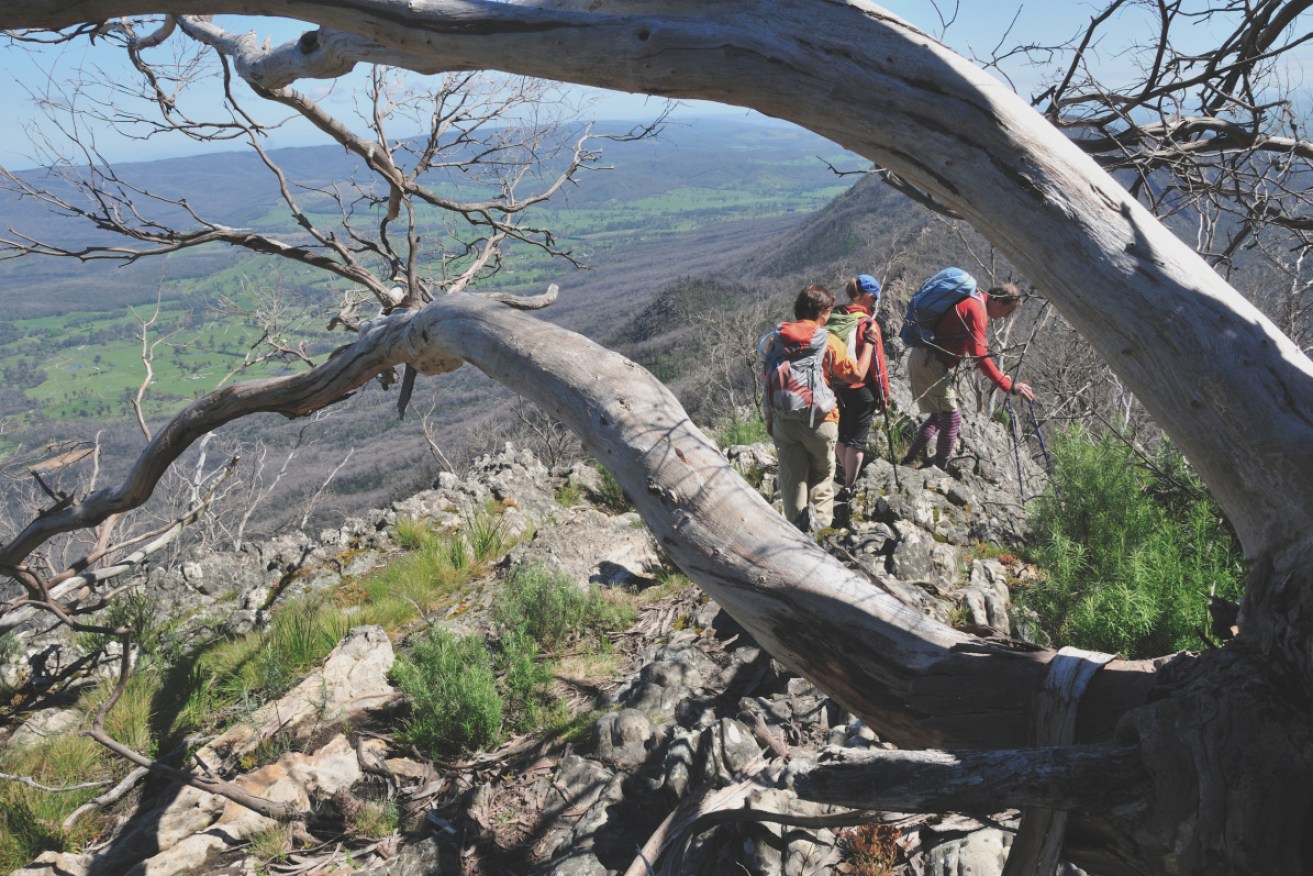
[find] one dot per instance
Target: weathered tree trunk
(1224, 737)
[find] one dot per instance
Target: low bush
(466, 695)
(1131, 550)
(454, 702)
(526, 679)
(742, 429)
(553, 611)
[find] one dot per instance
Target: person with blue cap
(855, 325)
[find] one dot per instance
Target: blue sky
(978, 28)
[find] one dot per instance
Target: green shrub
(526, 681)
(139, 611)
(10, 646)
(1131, 552)
(454, 703)
(553, 611)
(742, 429)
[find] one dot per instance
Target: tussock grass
(130, 721)
(30, 818)
(413, 534)
(376, 819)
(569, 494)
(265, 664)
(487, 537)
(271, 844)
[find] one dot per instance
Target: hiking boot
(843, 496)
(952, 469)
(805, 521)
(915, 460)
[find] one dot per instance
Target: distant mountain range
(723, 170)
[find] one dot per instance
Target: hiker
(946, 326)
(803, 360)
(862, 399)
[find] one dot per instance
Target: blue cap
(867, 283)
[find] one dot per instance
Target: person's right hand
(1023, 390)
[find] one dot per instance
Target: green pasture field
(91, 359)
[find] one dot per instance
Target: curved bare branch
(920, 682)
(978, 150)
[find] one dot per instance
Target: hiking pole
(1016, 447)
(1048, 460)
(889, 440)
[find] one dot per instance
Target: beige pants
(933, 386)
(806, 455)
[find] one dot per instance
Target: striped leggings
(947, 424)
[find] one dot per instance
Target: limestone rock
(353, 679)
(987, 596)
(593, 547)
(47, 724)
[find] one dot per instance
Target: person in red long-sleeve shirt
(960, 335)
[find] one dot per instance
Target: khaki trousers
(933, 386)
(806, 473)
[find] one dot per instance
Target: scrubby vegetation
(171, 694)
(1132, 548)
(467, 693)
(449, 682)
(742, 427)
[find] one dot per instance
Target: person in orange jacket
(803, 362)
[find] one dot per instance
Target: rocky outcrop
(697, 711)
(351, 681)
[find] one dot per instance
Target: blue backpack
(935, 297)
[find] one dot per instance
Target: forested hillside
(713, 193)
